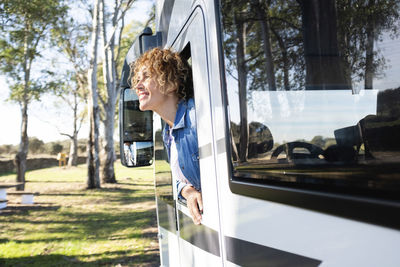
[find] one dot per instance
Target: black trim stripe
(250, 254)
(199, 235)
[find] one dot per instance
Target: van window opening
(308, 109)
(163, 174)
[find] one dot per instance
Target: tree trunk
(107, 173)
(242, 81)
(261, 11)
(285, 60)
(20, 158)
(345, 40)
(369, 53)
(93, 162)
(73, 151)
(324, 68)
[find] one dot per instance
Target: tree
(56, 148)
(24, 29)
(324, 68)
(93, 162)
(71, 37)
(285, 17)
(261, 10)
(73, 95)
(361, 25)
(237, 25)
(111, 92)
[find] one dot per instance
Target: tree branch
(80, 124)
(68, 135)
(128, 5)
(287, 22)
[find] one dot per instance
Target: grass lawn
(71, 226)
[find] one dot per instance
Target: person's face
(148, 91)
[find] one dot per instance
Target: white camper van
(298, 119)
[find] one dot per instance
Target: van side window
(314, 94)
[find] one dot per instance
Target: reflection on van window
(314, 93)
(136, 126)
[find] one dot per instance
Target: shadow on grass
(130, 200)
(25, 209)
(149, 235)
(91, 225)
(116, 190)
(149, 259)
(63, 194)
(4, 240)
(136, 184)
(56, 182)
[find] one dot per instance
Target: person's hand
(194, 203)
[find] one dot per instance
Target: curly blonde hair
(174, 74)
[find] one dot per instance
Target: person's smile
(142, 93)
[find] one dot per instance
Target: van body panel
(258, 224)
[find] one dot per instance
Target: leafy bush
(8, 149)
(35, 145)
(56, 148)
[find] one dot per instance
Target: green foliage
(8, 149)
(56, 148)
(318, 140)
(51, 148)
(355, 16)
(322, 142)
(24, 30)
(35, 145)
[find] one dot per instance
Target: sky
(48, 118)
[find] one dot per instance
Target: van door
(200, 245)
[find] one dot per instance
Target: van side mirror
(136, 126)
(136, 131)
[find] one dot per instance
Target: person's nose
(139, 85)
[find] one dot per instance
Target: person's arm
(194, 202)
(179, 186)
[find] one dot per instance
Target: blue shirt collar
(179, 122)
(180, 115)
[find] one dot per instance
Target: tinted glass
(136, 132)
(314, 93)
(137, 125)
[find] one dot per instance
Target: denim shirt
(185, 136)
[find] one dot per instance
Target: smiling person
(163, 83)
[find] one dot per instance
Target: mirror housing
(136, 131)
(136, 126)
